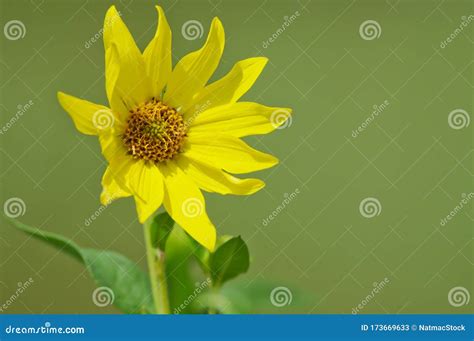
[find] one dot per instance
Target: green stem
(211, 310)
(156, 267)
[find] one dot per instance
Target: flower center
(155, 132)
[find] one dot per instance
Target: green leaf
(160, 229)
(130, 287)
(222, 240)
(180, 263)
(254, 297)
(203, 255)
(59, 242)
(229, 260)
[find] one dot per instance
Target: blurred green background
(320, 246)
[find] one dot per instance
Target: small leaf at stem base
(160, 229)
(229, 260)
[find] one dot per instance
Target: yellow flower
(168, 134)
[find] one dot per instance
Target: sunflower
(168, 134)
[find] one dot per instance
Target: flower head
(168, 134)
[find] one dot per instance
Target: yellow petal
(112, 71)
(185, 203)
(132, 85)
(116, 154)
(229, 88)
(88, 117)
(227, 152)
(157, 55)
(145, 181)
(215, 180)
(111, 189)
(240, 119)
(194, 70)
(145, 210)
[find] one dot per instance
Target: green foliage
(130, 285)
(183, 255)
(242, 297)
(229, 260)
(160, 229)
(189, 267)
(180, 263)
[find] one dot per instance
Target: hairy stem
(156, 267)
